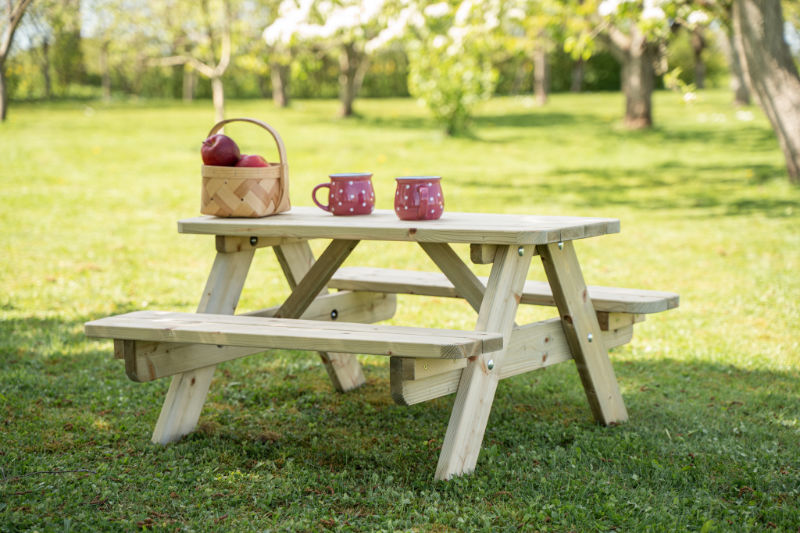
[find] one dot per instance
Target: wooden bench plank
(150, 360)
(294, 334)
(532, 347)
(610, 299)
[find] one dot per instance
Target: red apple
(252, 161)
(220, 150)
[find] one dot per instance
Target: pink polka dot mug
(419, 198)
(349, 193)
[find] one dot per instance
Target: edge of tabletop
(571, 228)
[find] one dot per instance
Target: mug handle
(314, 196)
(423, 202)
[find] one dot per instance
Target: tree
(636, 34)
(12, 15)
(204, 36)
(540, 25)
(770, 68)
(349, 27)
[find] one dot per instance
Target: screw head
(520, 251)
(560, 245)
(253, 241)
(334, 314)
(589, 337)
(490, 364)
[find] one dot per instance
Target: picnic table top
(383, 225)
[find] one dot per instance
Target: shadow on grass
(653, 188)
(361, 431)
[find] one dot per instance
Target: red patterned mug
(349, 193)
(419, 198)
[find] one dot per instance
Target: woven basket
(246, 191)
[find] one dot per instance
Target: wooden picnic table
(425, 362)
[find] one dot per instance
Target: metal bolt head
(589, 337)
(560, 245)
(253, 241)
(520, 251)
(490, 364)
(334, 314)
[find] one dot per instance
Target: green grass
(90, 195)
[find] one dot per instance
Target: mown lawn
(90, 196)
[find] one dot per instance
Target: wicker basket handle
(278, 141)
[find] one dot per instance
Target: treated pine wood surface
(427, 386)
(297, 260)
(147, 360)
(188, 390)
(610, 299)
(531, 347)
(294, 334)
(478, 381)
(582, 330)
(383, 225)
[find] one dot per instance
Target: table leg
(478, 383)
(296, 259)
(187, 392)
(583, 332)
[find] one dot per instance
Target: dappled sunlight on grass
(89, 230)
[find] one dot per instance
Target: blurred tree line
(449, 54)
(57, 60)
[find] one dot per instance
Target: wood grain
(609, 299)
(581, 329)
(383, 225)
(294, 334)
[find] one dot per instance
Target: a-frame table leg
(187, 392)
(344, 370)
(583, 332)
(473, 403)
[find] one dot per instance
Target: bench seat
(294, 334)
(605, 299)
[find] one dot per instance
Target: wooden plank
(531, 347)
(344, 306)
(147, 361)
(316, 278)
(187, 392)
(411, 391)
(464, 281)
(581, 329)
(294, 334)
(482, 254)
(610, 321)
(343, 369)
(383, 225)
(228, 244)
(608, 299)
(473, 403)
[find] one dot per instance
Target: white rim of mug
(342, 175)
(419, 178)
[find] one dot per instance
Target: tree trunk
(541, 78)
(698, 46)
(772, 74)
(279, 75)
(3, 93)
(189, 83)
(218, 96)
(13, 15)
(353, 65)
(578, 70)
(738, 83)
(106, 73)
(48, 80)
(638, 82)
